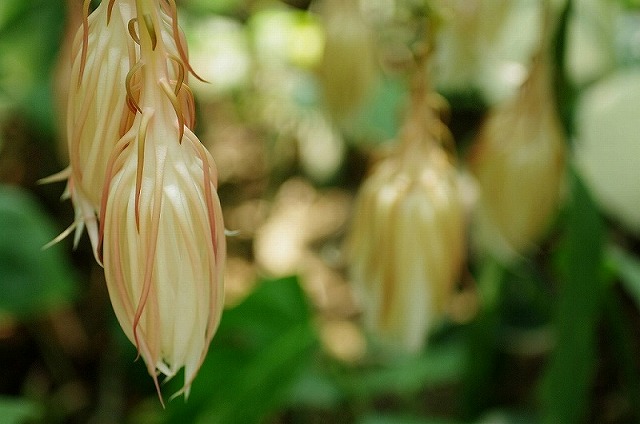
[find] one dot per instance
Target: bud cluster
(142, 183)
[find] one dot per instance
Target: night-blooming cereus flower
(143, 184)
(407, 240)
(519, 165)
(164, 246)
(97, 111)
(161, 234)
(104, 89)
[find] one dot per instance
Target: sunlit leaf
(402, 419)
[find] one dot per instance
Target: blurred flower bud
(518, 161)
(61, 74)
(347, 71)
(407, 240)
(476, 49)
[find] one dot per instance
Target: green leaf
(17, 411)
(627, 268)
(401, 419)
(316, 389)
(261, 348)
(568, 379)
(32, 280)
(441, 363)
(29, 42)
(378, 119)
(482, 341)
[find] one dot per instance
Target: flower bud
(103, 95)
(347, 71)
(407, 240)
(97, 114)
(164, 248)
(136, 165)
(518, 161)
(161, 230)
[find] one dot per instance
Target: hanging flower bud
(161, 232)
(163, 244)
(519, 165)
(407, 239)
(104, 89)
(347, 71)
(97, 114)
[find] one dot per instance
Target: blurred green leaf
(402, 419)
(222, 7)
(379, 117)
(627, 268)
(500, 416)
(621, 330)
(441, 363)
(32, 280)
(11, 12)
(18, 411)
(630, 4)
(314, 388)
(29, 43)
(482, 341)
(569, 375)
(261, 347)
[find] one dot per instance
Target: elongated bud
(164, 265)
(347, 72)
(407, 240)
(144, 185)
(104, 92)
(519, 164)
(161, 233)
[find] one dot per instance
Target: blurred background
(302, 97)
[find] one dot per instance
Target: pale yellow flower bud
(161, 228)
(137, 166)
(407, 241)
(519, 165)
(97, 114)
(164, 246)
(347, 71)
(104, 89)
